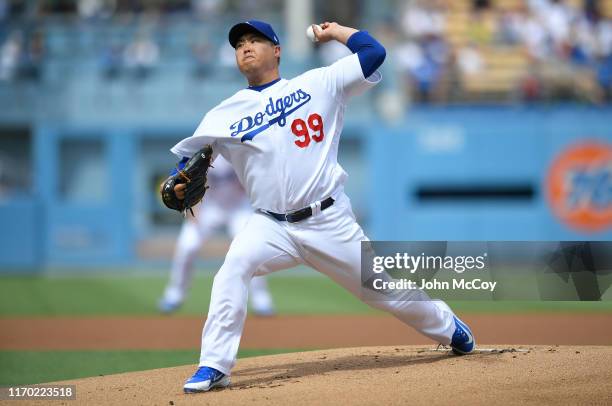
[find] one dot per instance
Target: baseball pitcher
(282, 136)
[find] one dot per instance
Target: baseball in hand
(310, 33)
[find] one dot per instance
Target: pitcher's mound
(500, 375)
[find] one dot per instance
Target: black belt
(301, 214)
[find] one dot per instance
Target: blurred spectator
(604, 77)
(538, 7)
(470, 60)
(423, 18)
(509, 27)
(604, 54)
(592, 10)
(479, 30)
(207, 8)
(479, 5)
(557, 17)
(423, 58)
(129, 6)
(142, 56)
(530, 89)
(89, 9)
(10, 55)
(175, 6)
(423, 63)
(55, 6)
(534, 36)
(581, 44)
(603, 35)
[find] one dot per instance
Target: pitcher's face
(256, 54)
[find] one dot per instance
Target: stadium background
(482, 114)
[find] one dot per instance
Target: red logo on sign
(580, 186)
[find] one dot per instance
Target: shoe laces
(460, 334)
(207, 373)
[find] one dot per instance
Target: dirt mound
(380, 375)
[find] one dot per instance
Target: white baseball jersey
(283, 141)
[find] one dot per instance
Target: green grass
(29, 367)
(132, 294)
(138, 295)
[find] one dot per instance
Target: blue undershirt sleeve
(180, 166)
(370, 52)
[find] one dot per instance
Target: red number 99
(315, 122)
(300, 130)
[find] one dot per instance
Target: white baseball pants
(329, 242)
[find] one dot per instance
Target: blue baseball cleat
(264, 312)
(167, 307)
(463, 341)
(205, 379)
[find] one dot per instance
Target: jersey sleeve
(214, 129)
(344, 78)
(189, 146)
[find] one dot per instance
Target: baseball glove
(194, 175)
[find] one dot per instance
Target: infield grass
(133, 294)
(29, 367)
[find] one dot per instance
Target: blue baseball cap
(259, 27)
